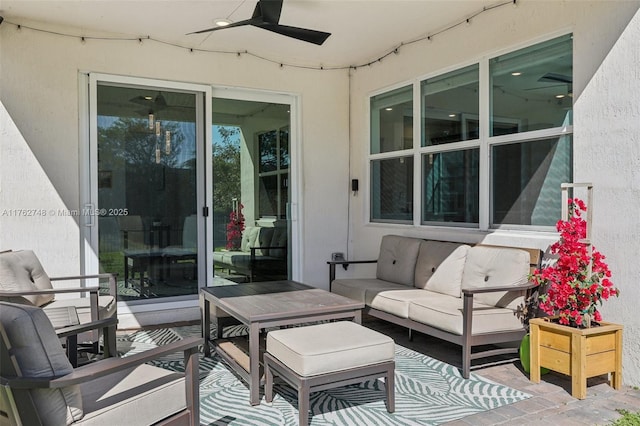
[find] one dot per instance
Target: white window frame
(485, 143)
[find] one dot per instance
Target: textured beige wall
(606, 132)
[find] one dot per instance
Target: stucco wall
(39, 88)
(606, 132)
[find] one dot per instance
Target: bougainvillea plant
(235, 228)
(571, 288)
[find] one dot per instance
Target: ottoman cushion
(329, 347)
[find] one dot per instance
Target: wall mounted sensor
(354, 185)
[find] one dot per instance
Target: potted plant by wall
(574, 340)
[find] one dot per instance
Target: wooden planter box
(579, 353)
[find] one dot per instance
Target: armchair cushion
(21, 271)
(38, 354)
(136, 396)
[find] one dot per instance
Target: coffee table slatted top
(262, 301)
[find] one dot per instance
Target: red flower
(235, 228)
(579, 280)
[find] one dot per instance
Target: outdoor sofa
(262, 254)
(467, 295)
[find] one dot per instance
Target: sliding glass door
(251, 190)
(189, 189)
(147, 188)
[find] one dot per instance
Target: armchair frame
(21, 407)
(94, 292)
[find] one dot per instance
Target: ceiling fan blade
(140, 100)
(556, 78)
(304, 34)
(251, 21)
(268, 11)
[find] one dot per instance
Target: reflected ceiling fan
(267, 16)
(151, 105)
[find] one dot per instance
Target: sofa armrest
(345, 264)
(471, 291)
(253, 249)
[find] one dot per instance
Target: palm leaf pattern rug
(428, 391)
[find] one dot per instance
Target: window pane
(147, 183)
(268, 193)
(268, 144)
(392, 121)
(450, 186)
(392, 190)
(450, 107)
(284, 148)
(527, 178)
(532, 88)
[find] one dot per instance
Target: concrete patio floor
(551, 402)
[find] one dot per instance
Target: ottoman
(325, 356)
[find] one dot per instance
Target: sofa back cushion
(279, 239)
(439, 267)
(488, 266)
(397, 259)
(29, 336)
(21, 271)
(249, 238)
(263, 239)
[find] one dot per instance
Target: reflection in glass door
(147, 196)
(251, 158)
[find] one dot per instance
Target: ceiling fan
(266, 16)
(152, 105)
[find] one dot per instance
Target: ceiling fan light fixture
(221, 22)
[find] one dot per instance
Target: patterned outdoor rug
(428, 392)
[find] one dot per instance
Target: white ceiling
(362, 30)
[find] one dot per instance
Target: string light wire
(393, 51)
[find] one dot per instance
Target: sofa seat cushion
(397, 259)
(119, 396)
(394, 302)
(440, 265)
(329, 347)
(356, 288)
(21, 270)
(445, 313)
(488, 266)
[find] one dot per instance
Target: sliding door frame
(295, 248)
(89, 177)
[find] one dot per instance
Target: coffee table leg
(254, 363)
(357, 318)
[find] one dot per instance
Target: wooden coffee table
(262, 305)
